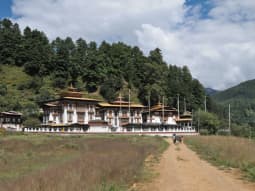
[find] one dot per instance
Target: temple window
(81, 117)
(70, 116)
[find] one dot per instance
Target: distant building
(161, 114)
(72, 113)
(11, 121)
(69, 113)
(120, 113)
(185, 120)
(162, 120)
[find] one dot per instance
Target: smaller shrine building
(11, 121)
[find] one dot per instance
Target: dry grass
(54, 163)
(226, 152)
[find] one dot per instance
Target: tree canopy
(105, 68)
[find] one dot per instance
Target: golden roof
(80, 99)
(184, 119)
(119, 101)
(118, 105)
(159, 106)
(71, 92)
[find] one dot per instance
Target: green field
(59, 163)
(226, 152)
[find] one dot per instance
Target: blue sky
(5, 8)
(206, 6)
(214, 38)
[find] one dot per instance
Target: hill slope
(242, 100)
(245, 90)
(210, 91)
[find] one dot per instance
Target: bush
(2, 131)
(223, 132)
(204, 132)
(243, 130)
(44, 95)
(35, 83)
(32, 122)
(3, 89)
(208, 121)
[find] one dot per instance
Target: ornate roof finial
(71, 88)
(119, 98)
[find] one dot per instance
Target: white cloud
(97, 19)
(219, 50)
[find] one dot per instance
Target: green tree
(208, 121)
(92, 75)
(38, 52)
(10, 42)
(61, 61)
(110, 87)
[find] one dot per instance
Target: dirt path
(181, 169)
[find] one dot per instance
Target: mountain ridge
(211, 91)
(242, 100)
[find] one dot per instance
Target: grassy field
(226, 152)
(64, 163)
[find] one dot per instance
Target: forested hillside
(33, 69)
(242, 100)
(210, 91)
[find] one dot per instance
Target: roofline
(70, 98)
(10, 113)
(122, 106)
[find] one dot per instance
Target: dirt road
(181, 169)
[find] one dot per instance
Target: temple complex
(73, 113)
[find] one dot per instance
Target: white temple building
(73, 113)
(11, 121)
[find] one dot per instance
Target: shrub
(3, 89)
(31, 122)
(2, 131)
(223, 132)
(203, 132)
(44, 95)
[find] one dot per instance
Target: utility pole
(163, 111)
(185, 105)
(198, 121)
(149, 103)
(120, 102)
(205, 105)
(192, 118)
(250, 132)
(229, 119)
(178, 105)
(129, 104)
(198, 125)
